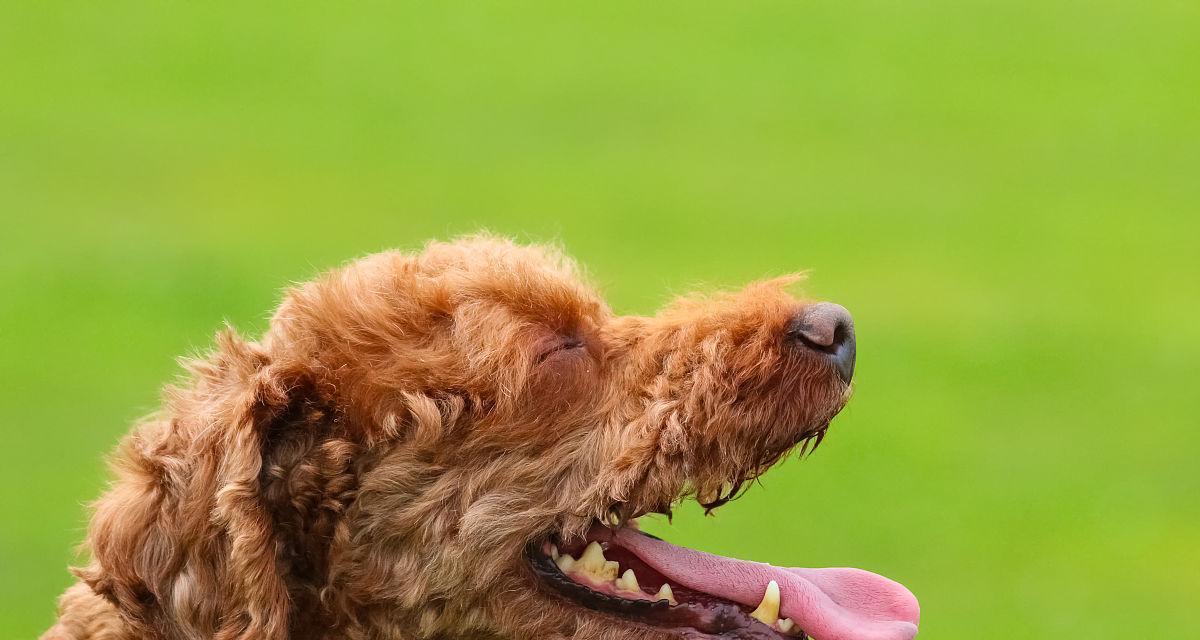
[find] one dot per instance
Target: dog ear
(258, 396)
(185, 527)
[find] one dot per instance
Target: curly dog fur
(377, 464)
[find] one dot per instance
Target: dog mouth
(645, 580)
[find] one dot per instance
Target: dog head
(460, 442)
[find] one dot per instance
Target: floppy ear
(184, 537)
(259, 396)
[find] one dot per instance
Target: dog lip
(694, 614)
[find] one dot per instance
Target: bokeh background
(1005, 194)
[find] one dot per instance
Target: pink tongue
(828, 604)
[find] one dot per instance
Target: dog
(458, 443)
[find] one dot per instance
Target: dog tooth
(594, 565)
(628, 582)
(593, 558)
(768, 610)
(554, 551)
(664, 593)
(785, 625)
(565, 562)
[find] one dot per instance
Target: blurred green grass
(1005, 194)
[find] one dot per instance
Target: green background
(1005, 194)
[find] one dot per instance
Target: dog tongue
(828, 604)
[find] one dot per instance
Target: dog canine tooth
(768, 610)
(628, 582)
(785, 625)
(664, 593)
(594, 565)
(593, 558)
(554, 551)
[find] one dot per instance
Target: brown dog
(457, 444)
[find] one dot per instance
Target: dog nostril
(823, 326)
(827, 328)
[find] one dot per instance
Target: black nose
(829, 329)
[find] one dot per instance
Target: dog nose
(827, 328)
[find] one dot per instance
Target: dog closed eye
(560, 347)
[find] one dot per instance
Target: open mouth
(643, 579)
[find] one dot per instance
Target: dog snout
(827, 328)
